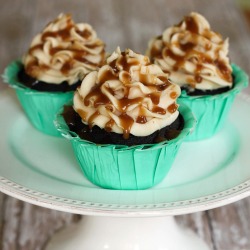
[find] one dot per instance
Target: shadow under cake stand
(42, 170)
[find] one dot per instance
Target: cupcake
(196, 58)
(125, 125)
(58, 59)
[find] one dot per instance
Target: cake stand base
(113, 233)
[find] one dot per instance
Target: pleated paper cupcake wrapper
(40, 107)
(212, 111)
(123, 167)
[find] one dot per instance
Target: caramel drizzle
(156, 52)
(141, 119)
(109, 125)
(173, 95)
(126, 122)
(92, 118)
(192, 26)
(172, 108)
(77, 54)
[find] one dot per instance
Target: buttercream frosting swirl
(128, 95)
(193, 54)
(64, 51)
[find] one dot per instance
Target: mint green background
(40, 107)
(211, 111)
(122, 167)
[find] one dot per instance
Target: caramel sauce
(43, 67)
(144, 79)
(172, 108)
(164, 79)
(208, 46)
(126, 124)
(205, 58)
(159, 110)
(113, 66)
(124, 103)
(109, 107)
(162, 87)
(67, 66)
(92, 46)
(155, 52)
(179, 60)
(107, 75)
(109, 125)
(126, 78)
(98, 96)
(198, 78)
(191, 82)
(187, 47)
(224, 70)
(155, 97)
(65, 35)
(110, 90)
(101, 100)
(141, 119)
(122, 61)
(31, 68)
(79, 57)
(54, 50)
(173, 95)
(190, 52)
(92, 118)
(191, 25)
(82, 114)
(85, 33)
(36, 47)
(208, 34)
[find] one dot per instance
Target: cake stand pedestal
(100, 233)
(42, 170)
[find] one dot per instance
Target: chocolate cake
(128, 101)
(101, 136)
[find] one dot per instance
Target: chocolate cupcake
(125, 125)
(196, 58)
(128, 99)
(58, 59)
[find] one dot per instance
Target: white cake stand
(42, 170)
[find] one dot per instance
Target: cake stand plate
(42, 170)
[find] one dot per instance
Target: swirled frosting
(193, 54)
(64, 51)
(128, 95)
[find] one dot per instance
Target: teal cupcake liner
(40, 107)
(126, 167)
(211, 111)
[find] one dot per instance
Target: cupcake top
(194, 56)
(64, 51)
(128, 95)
